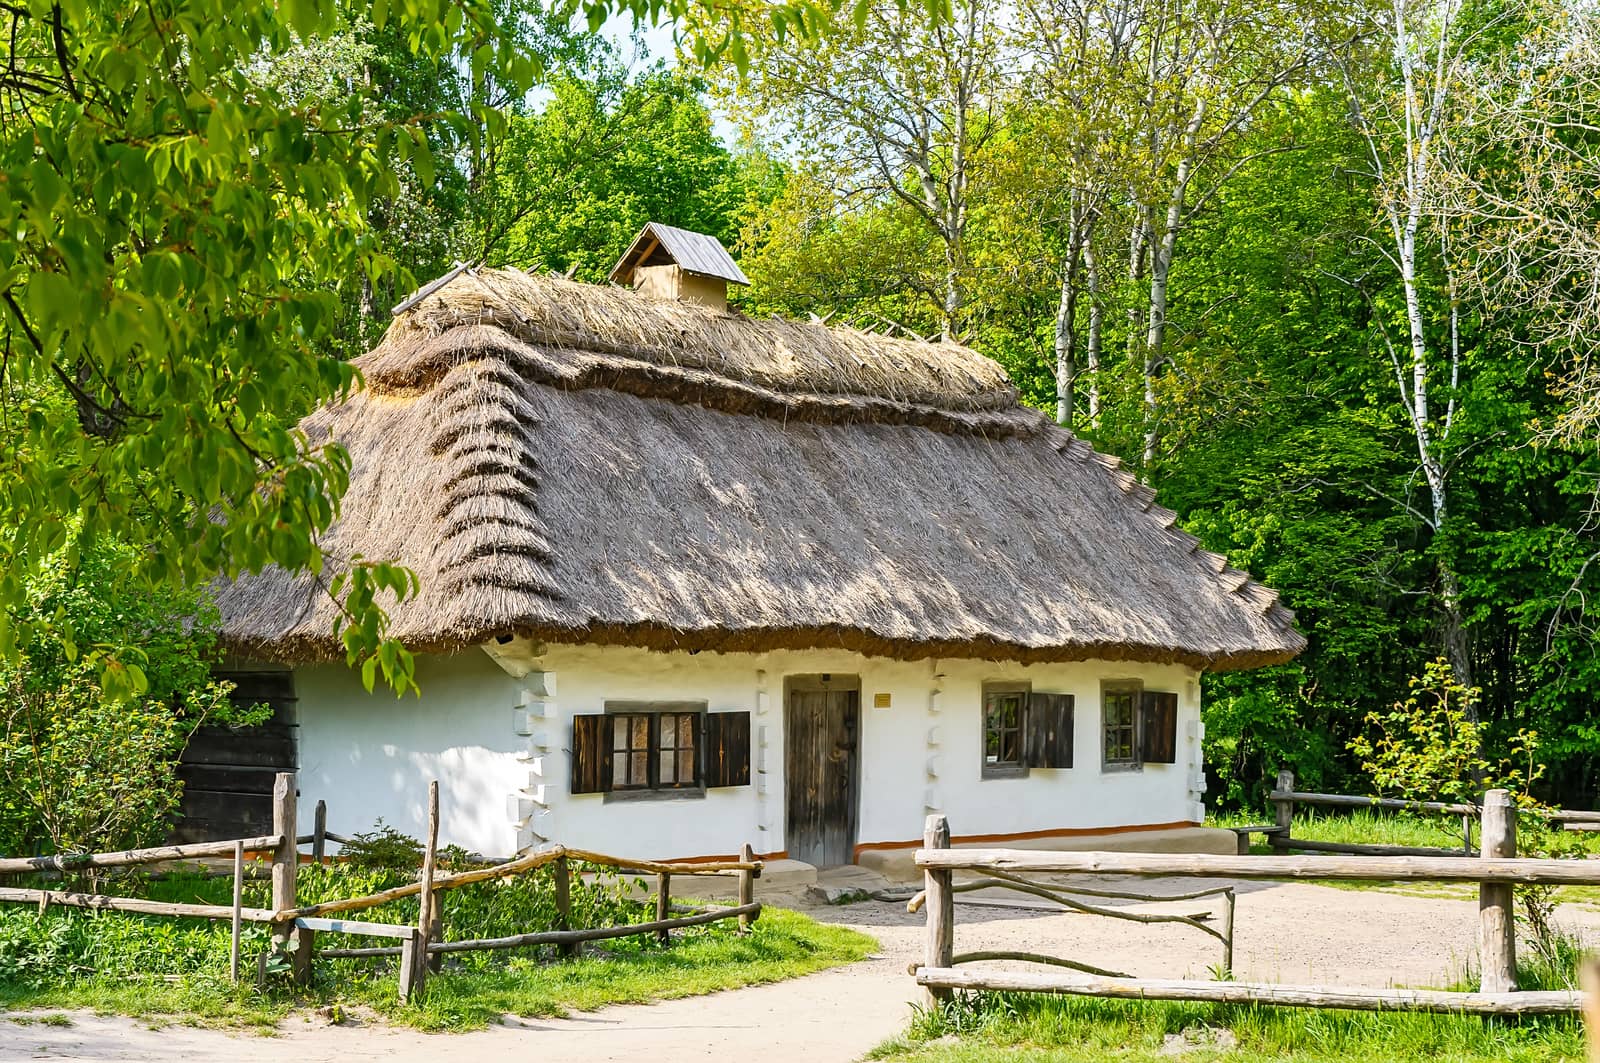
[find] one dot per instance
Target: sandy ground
(1290, 932)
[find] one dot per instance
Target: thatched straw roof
(577, 463)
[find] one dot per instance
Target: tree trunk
(1138, 244)
(1161, 255)
(1091, 266)
(1066, 327)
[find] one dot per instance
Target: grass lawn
(175, 970)
(992, 1028)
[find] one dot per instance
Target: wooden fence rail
(543, 937)
(1285, 798)
(132, 857)
(1495, 871)
(1064, 896)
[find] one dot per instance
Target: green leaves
(176, 224)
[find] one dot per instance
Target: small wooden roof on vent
(697, 253)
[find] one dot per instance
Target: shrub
(83, 769)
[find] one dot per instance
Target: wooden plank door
(821, 766)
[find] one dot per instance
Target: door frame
(826, 682)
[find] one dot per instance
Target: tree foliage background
(1321, 270)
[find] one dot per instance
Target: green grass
(991, 1028)
(174, 970)
(1360, 826)
(783, 944)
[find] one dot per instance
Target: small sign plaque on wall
(880, 701)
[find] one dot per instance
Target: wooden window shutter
(1159, 712)
(1047, 741)
(727, 749)
(591, 754)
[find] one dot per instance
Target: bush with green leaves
(81, 769)
(1433, 747)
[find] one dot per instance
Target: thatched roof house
(600, 484)
(574, 463)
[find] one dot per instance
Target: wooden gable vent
(664, 262)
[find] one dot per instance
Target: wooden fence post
(238, 903)
(1589, 983)
(1285, 809)
(430, 853)
(1227, 933)
(939, 946)
(1497, 937)
(319, 833)
(563, 872)
(408, 964)
(664, 906)
(285, 866)
(747, 886)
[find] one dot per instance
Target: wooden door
(821, 766)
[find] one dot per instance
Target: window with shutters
(642, 749)
(1024, 729)
(1005, 706)
(1119, 726)
(1139, 726)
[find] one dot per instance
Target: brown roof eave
(305, 649)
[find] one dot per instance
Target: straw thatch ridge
(728, 490)
(776, 354)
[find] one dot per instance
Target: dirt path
(1290, 932)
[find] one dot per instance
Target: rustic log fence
(1285, 799)
(1064, 895)
(1495, 871)
(294, 927)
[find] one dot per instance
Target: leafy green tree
(179, 225)
(577, 179)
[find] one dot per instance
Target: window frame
(1004, 770)
(1133, 689)
(653, 789)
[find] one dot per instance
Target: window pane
(641, 767)
(668, 762)
(619, 732)
(641, 732)
(686, 766)
(1002, 728)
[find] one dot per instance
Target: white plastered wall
(498, 744)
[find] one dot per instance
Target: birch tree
(1148, 100)
(1404, 115)
(894, 108)
(1207, 69)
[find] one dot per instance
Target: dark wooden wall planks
(228, 772)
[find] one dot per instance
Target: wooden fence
(1065, 896)
(1285, 798)
(1496, 870)
(294, 927)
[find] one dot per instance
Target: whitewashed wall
(370, 756)
(499, 746)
